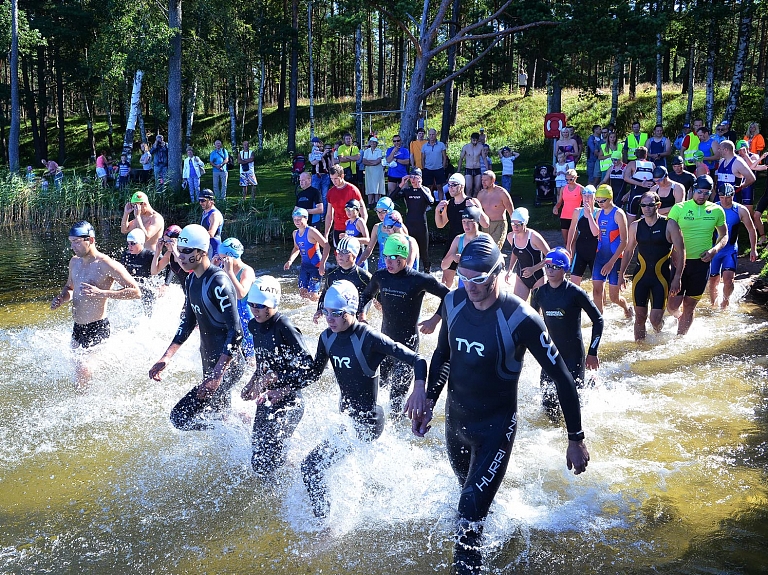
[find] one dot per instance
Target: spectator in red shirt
(338, 196)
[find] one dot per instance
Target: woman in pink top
(569, 199)
(101, 168)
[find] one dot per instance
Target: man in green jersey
(698, 219)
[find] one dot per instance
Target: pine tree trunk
(311, 74)
(369, 53)
(633, 78)
(445, 127)
(293, 88)
(380, 77)
(691, 74)
(42, 100)
(232, 112)
(260, 113)
(29, 100)
(739, 66)
(60, 108)
(659, 77)
(13, 137)
(359, 85)
(174, 99)
(88, 103)
(709, 106)
(132, 114)
(618, 65)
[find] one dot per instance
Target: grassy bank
(508, 120)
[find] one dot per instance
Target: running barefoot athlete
(88, 287)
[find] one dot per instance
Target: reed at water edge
(31, 204)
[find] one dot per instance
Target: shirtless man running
(496, 203)
(470, 159)
(89, 285)
(145, 219)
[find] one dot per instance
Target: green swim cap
(397, 245)
(616, 155)
(698, 155)
(741, 144)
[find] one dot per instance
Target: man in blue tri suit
(212, 220)
(484, 336)
(211, 305)
(314, 250)
(724, 263)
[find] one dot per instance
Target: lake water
(101, 482)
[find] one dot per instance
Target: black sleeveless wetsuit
(401, 296)
(454, 212)
(561, 308)
(651, 281)
(211, 305)
(526, 257)
(355, 356)
(278, 346)
(357, 275)
(140, 267)
(485, 350)
(417, 200)
(585, 247)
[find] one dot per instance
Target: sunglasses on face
(333, 312)
(453, 185)
(132, 244)
(517, 224)
(391, 257)
(257, 305)
(553, 267)
(653, 205)
(186, 251)
(601, 201)
(703, 191)
(344, 252)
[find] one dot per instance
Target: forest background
(85, 75)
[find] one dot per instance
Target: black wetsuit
(527, 257)
(401, 296)
(359, 277)
(278, 347)
(485, 350)
(175, 270)
(585, 245)
(211, 305)
(667, 201)
(454, 212)
(355, 355)
(140, 267)
(561, 308)
(651, 281)
(417, 200)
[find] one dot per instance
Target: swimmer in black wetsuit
(211, 304)
(484, 336)
(346, 256)
(401, 291)
(355, 351)
(654, 236)
(561, 303)
(138, 261)
(282, 369)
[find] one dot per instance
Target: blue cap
(385, 204)
(231, 247)
(559, 257)
(390, 221)
(315, 140)
(300, 213)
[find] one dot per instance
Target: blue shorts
(613, 277)
(309, 278)
(745, 196)
(724, 260)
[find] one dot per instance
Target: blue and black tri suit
(309, 270)
(279, 347)
(355, 356)
(607, 244)
(401, 296)
(205, 221)
(561, 308)
(485, 349)
(651, 280)
(211, 305)
(726, 259)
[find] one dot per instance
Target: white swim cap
(194, 236)
(520, 215)
(136, 236)
(342, 295)
(265, 291)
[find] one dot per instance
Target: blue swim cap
(82, 229)
(231, 247)
(385, 204)
(481, 255)
(559, 257)
(300, 213)
(389, 221)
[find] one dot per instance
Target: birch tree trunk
(451, 54)
(173, 177)
(232, 113)
(13, 138)
(89, 125)
(133, 113)
(742, 48)
(293, 83)
(262, 73)
(191, 103)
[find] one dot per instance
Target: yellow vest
(632, 144)
(693, 148)
(349, 151)
(605, 164)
